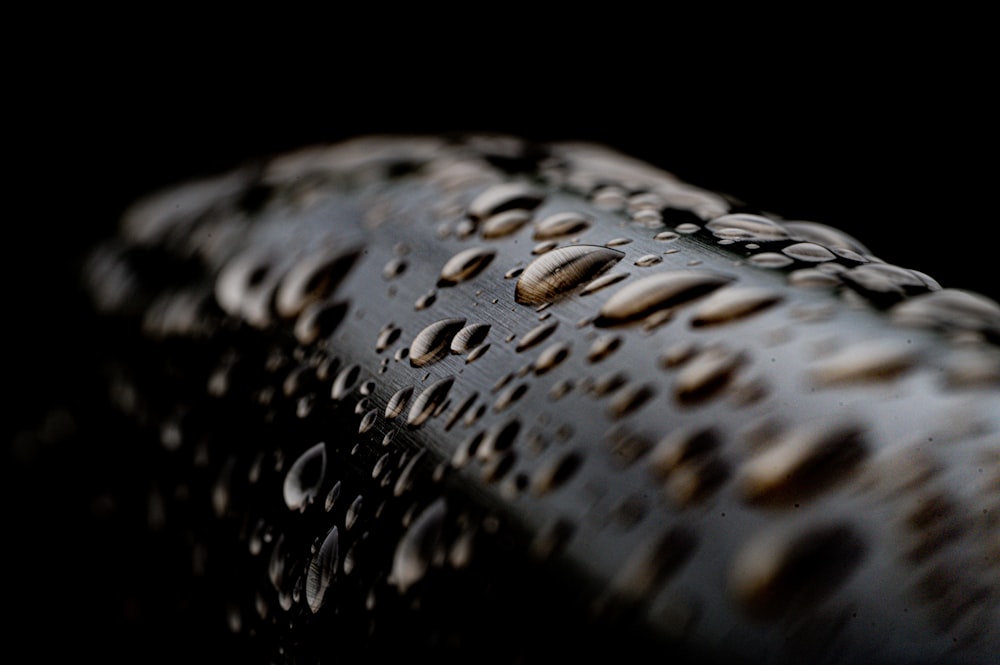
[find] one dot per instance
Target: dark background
(884, 130)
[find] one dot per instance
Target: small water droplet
(393, 268)
(465, 265)
(509, 396)
(387, 336)
(561, 224)
(433, 342)
(398, 402)
(559, 271)
(666, 236)
(656, 293)
(477, 353)
(312, 279)
(305, 478)
(555, 472)
(368, 421)
(353, 512)
(331, 497)
(513, 272)
(319, 320)
(536, 335)
(505, 223)
(733, 303)
(551, 356)
(687, 228)
(770, 260)
(629, 399)
(603, 346)
(544, 246)
(708, 372)
(648, 260)
(405, 481)
(617, 242)
(345, 382)
(425, 301)
(428, 401)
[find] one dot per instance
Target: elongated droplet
(311, 279)
(561, 270)
(505, 223)
(648, 260)
(322, 569)
(602, 282)
(809, 251)
(536, 335)
(657, 292)
(345, 381)
(433, 342)
(469, 337)
(428, 401)
(561, 224)
(551, 356)
(505, 196)
(398, 402)
(864, 362)
(465, 265)
(733, 303)
(305, 478)
(741, 226)
(417, 548)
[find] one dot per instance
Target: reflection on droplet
(733, 303)
(428, 401)
(398, 402)
(433, 342)
(305, 478)
(656, 293)
(559, 271)
(418, 547)
(465, 265)
(322, 568)
(561, 224)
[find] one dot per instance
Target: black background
(884, 129)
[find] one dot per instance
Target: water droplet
(648, 260)
(609, 197)
(433, 342)
(617, 242)
(509, 396)
(801, 463)
(505, 223)
(658, 292)
(387, 336)
(425, 301)
(312, 279)
(428, 401)
(398, 402)
(419, 546)
(405, 481)
(770, 260)
(555, 472)
(741, 226)
(629, 399)
(561, 270)
(477, 353)
(649, 565)
(368, 421)
(505, 196)
(825, 235)
(649, 218)
(666, 236)
(353, 512)
(512, 273)
(331, 497)
(864, 362)
(551, 356)
(319, 320)
(732, 303)
(470, 337)
(305, 478)
(544, 246)
(345, 381)
(393, 268)
(536, 335)
(603, 346)
(809, 251)
(601, 282)
(781, 571)
(561, 224)
(708, 372)
(951, 311)
(465, 265)
(607, 383)
(499, 438)
(687, 228)
(812, 278)
(322, 568)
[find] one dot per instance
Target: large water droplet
(398, 402)
(658, 292)
(322, 569)
(505, 223)
(505, 196)
(561, 224)
(305, 478)
(433, 342)
(465, 265)
(951, 310)
(418, 547)
(741, 226)
(428, 401)
(561, 270)
(825, 235)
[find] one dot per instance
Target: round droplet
(809, 251)
(465, 265)
(428, 401)
(536, 335)
(647, 260)
(322, 568)
(398, 402)
(305, 478)
(733, 303)
(561, 224)
(559, 271)
(433, 342)
(418, 547)
(470, 337)
(658, 292)
(505, 223)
